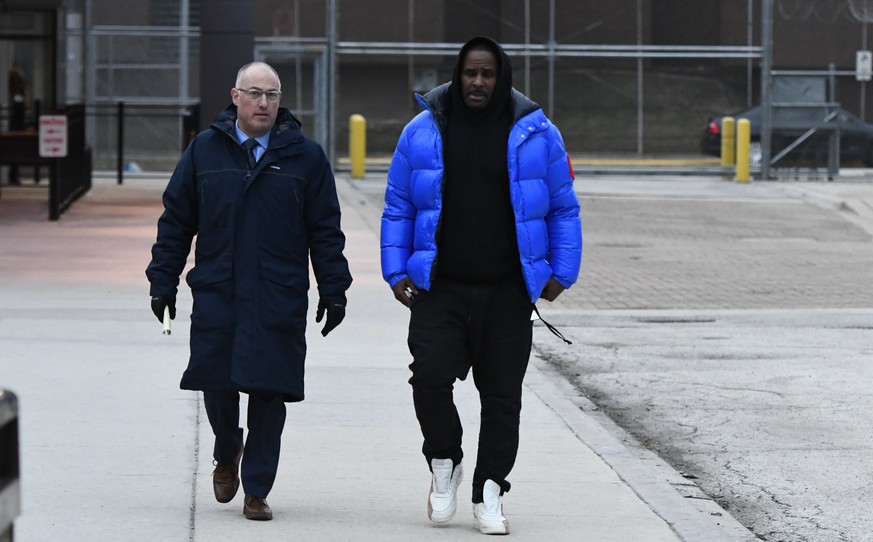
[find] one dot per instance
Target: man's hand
(404, 291)
(160, 302)
(552, 290)
(335, 314)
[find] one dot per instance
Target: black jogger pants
(457, 326)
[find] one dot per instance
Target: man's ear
(234, 96)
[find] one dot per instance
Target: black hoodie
(477, 239)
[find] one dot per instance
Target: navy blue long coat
(255, 234)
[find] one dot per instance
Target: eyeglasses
(254, 94)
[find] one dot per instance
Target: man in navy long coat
(259, 216)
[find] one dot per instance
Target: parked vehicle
(856, 138)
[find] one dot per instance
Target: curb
(818, 198)
(692, 515)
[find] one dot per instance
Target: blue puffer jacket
(547, 221)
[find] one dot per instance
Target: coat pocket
(213, 312)
(282, 295)
(284, 274)
(203, 275)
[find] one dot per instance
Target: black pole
(120, 142)
(54, 190)
(37, 111)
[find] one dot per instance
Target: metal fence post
(766, 86)
(120, 141)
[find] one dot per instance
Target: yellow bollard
(357, 144)
(744, 140)
(728, 146)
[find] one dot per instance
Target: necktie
(250, 145)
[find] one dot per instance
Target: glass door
(27, 67)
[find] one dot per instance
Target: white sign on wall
(864, 65)
(53, 136)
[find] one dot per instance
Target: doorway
(28, 69)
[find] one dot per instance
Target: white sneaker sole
(440, 517)
(495, 528)
(490, 523)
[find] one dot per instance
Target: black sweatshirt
(477, 239)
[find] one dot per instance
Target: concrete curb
(816, 197)
(690, 513)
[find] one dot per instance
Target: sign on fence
(863, 65)
(53, 136)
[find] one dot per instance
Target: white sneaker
(443, 499)
(489, 514)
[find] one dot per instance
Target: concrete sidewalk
(111, 449)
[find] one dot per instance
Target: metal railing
(130, 137)
(70, 176)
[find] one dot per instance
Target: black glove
(335, 314)
(159, 302)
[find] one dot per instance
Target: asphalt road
(729, 329)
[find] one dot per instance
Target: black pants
(266, 420)
(455, 326)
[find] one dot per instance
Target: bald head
(241, 74)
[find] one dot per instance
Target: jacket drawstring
(550, 327)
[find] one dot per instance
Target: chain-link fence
(631, 77)
(813, 34)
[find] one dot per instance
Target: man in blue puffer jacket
(480, 221)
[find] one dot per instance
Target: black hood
(502, 89)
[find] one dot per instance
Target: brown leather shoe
(257, 508)
(225, 480)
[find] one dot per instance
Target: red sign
(53, 136)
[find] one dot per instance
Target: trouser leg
(266, 420)
(222, 410)
(502, 336)
(440, 351)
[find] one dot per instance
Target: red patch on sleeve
(570, 167)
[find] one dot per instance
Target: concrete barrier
(10, 489)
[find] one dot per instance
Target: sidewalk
(111, 449)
